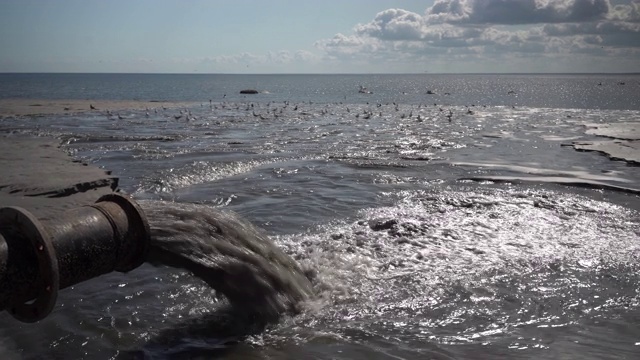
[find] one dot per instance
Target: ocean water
(454, 225)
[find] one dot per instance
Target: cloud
(491, 30)
(464, 19)
(599, 28)
(629, 13)
(349, 46)
(516, 12)
(394, 24)
(270, 58)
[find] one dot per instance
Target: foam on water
(455, 235)
(468, 267)
(198, 172)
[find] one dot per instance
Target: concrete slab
(37, 175)
(623, 130)
(628, 151)
(625, 145)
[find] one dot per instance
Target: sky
(320, 36)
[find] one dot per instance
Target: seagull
(92, 107)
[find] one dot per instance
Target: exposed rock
(382, 224)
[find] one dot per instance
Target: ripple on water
(471, 267)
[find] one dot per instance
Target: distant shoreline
(40, 107)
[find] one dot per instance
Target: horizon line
(311, 73)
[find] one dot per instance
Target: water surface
(464, 229)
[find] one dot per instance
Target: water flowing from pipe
(230, 254)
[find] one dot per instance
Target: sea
(437, 216)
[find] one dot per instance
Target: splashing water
(228, 253)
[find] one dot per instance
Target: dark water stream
(255, 283)
(228, 253)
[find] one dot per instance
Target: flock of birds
(183, 113)
(275, 110)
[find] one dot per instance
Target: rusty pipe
(38, 258)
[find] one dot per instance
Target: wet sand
(39, 107)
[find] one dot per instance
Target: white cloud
(512, 12)
(394, 24)
(630, 13)
(491, 30)
(346, 46)
(271, 57)
(601, 28)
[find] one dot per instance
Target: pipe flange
(135, 247)
(4, 257)
(48, 282)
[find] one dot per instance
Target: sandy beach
(39, 107)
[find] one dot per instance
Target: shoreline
(42, 107)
